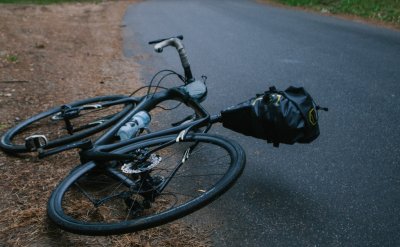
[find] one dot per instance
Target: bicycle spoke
(178, 178)
(167, 184)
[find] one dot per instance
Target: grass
(383, 10)
(44, 1)
(3, 126)
(12, 58)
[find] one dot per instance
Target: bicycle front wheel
(166, 180)
(64, 124)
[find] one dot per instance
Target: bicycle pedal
(35, 142)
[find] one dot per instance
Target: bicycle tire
(12, 141)
(70, 203)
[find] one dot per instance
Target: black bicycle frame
(102, 150)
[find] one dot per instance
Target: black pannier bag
(288, 116)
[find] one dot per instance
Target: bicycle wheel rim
(12, 140)
(58, 207)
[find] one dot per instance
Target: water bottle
(130, 129)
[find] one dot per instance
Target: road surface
(341, 190)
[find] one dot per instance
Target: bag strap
(320, 108)
(303, 114)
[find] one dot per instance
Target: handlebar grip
(161, 40)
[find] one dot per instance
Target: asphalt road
(341, 190)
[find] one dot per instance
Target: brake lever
(161, 40)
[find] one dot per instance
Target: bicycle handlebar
(160, 44)
(160, 40)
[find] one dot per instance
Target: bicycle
(134, 182)
(141, 182)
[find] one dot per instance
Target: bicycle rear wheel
(64, 124)
(176, 179)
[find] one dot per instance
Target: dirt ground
(50, 55)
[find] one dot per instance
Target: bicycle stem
(176, 42)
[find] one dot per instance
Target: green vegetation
(44, 1)
(2, 126)
(384, 10)
(12, 58)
